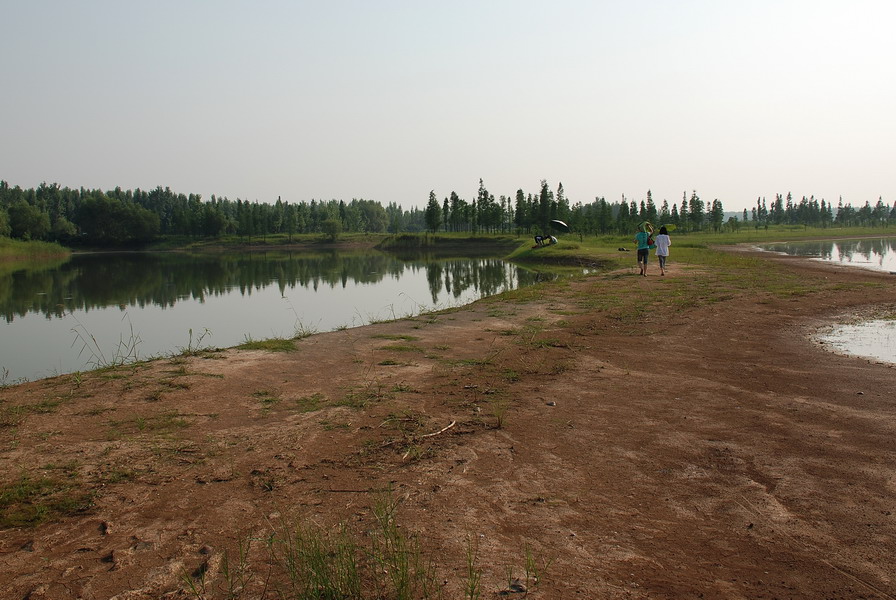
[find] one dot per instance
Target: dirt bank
(676, 437)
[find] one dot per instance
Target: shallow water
(877, 254)
(875, 339)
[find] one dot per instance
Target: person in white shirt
(662, 241)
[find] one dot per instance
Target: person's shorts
(643, 254)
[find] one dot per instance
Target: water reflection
(878, 254)
(165, 299)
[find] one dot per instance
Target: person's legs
(642, 261)
(662, 260)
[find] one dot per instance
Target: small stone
(551, 403)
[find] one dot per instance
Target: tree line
(812, 213)
(132, 217)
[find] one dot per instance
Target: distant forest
(133, 217)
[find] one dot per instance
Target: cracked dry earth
(634, 445)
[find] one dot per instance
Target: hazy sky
(386, 100)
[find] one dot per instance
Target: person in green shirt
(642, 238)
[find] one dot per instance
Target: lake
(878, 254)
(97, 309)
(876, 338)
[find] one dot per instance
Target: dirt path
(667, 448)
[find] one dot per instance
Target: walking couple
(646, 241)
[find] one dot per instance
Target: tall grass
(303, 561)
(11, 249)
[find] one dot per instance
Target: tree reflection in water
(89, 281)
(235, 295)
(870, 253)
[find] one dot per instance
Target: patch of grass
(195, 347)
(44, 406)
(154, 396)
(306, 560)
(407, 422)
(267, 398)
(403, 348)
(511, 376)
(547, 343)
(274, 344)
(470, 362)
(30, 501)
(11, 416)
(176, 385)
(375, 391)
(164, 422)
(311, 403)
(96, 410)
(117, 475)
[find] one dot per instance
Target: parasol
(559, 225)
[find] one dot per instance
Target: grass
(267, 398)
(403, 348)
(300, 560)
(164, 422)
(274, 344)
(311, 403)
(32, 500)
(17, 250)
(373, 392)
(385, 336)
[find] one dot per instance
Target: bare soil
(707, 449)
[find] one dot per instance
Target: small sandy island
(625, 437)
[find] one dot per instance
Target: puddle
(877, 254)
(874, 339)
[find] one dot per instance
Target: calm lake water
(94, 309)
(875, 339)
(878, 254)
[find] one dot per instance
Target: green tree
(331, 228)
(109, 221)
(27, 222)
(696, 211)
(433, 212)
(683, 215)
(650, 208)
(544, 206)
(373, 216)
(717, 215)
(4, 223)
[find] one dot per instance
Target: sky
(388, 100)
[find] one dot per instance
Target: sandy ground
(701, 449)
